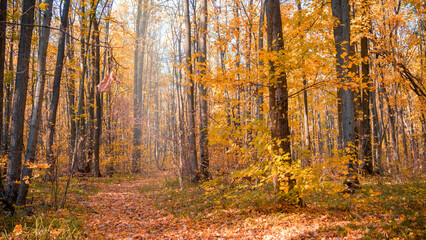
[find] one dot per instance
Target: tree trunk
(204, 141)
(278, 93)
(306, 160)
(192, 149)
(137, 134)
(3, 13)
(340, 10)
(366, 152)
(97, 79)
(141, 27)
(20, 96)
(377, 157)
(37, 105)
(56, 90)
(260, 100)
(70, 86)
(81, 123)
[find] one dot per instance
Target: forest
(220, 119)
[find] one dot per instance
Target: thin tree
(366, 152)
(137, 133)
(98, 130)
(3, 13)
(56, 89)
(192, 149)
(306, 161)
(14, 160)
(204, 141)
(81, 123)
(37, 104)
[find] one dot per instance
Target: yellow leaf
(43, 165)
(43, 6)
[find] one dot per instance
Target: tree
(37, 104)
(3, 14)
(340, 10)
(14, 160)
(278, 93)
(98, 125)
(81, 123)
(192, 163)
(366, 133)
(139, 63)
(137, 134)
(56, 89)
(204, 141)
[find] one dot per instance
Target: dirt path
(125, 211)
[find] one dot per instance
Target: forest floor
(130, 210)
(153, 207)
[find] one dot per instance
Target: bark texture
(14, 160)
(192, 163)
(37, 104)
(278, 93)
(56, 89)
(204, 141)
(340, 10)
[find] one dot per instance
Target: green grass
(51, 224)
(189, 201)
(381, 208)
(48, 221)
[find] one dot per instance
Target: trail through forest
(127, 210)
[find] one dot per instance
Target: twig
(74, 156)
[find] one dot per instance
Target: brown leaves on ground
(126, 212)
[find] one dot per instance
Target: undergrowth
(380, 209)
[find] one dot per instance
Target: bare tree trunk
(181, 111)
(141, 27)
(259, 100)
(81, 123)
(137, 134)
(365, 141)
(18, 112)
(340, 10)
(98, 130)
(377, 156)
(192, 161)
(70, 86)
(37, 105)
(8, 103)
(91, 98)
(3, 13)
(56, 89)
(278, 93)
(204, 141)
(306, 160)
